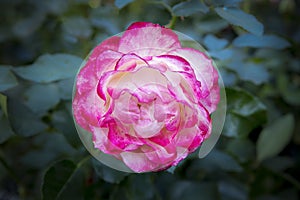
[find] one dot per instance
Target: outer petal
(138, 162)
(205, 73)
(111, 43)
(147, 39)
(191, 137)
(87, 106)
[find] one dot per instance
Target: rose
(146, 99)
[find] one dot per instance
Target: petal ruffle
(205, 73)
(87, 106)
(147, 39)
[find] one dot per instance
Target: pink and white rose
(146, 99)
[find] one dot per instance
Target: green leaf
(243, 103)
(289, 92)
(136, 187)
(64, 123)
(7, 78)
(6, 131)
(229, 78)
(214, 43)
(76, 187)
(254, 73)
(211, 26)
(223, 161)
(238, 17)
(48, 148)
(263, 41)
(231, 189)
(56, 178)
(242, 148)
(122, 3)
(238, 126)
(244, 113)
(41, 97)
(223, 54)
(216, 160)
(275, 137)
(108, 174)
(225, 2)
(279, 164)
(23, 121)
(65, 88)
(188, 8)
(48, 68)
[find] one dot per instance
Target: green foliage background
(256, 47)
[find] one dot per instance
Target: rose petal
(87, 108)
(148, 128)
(106, 61)
(111, 43)
(138, 162)
(182, 153)
(131, 81)
(129, 62)
(162, 139)
(147, 39)
(163, 156)
(189, 84)
(100, 140)
(179, 89)
(186, 137)
(126, 109)
(205, 73)
(172, 62)
(86, 105)
(109, 78)
(141, 116)
(191, 137)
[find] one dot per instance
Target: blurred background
(255, 44)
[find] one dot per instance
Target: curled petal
(109, 78)
(130, 62)
(172, 62)
(205, 73)
(179, 66)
